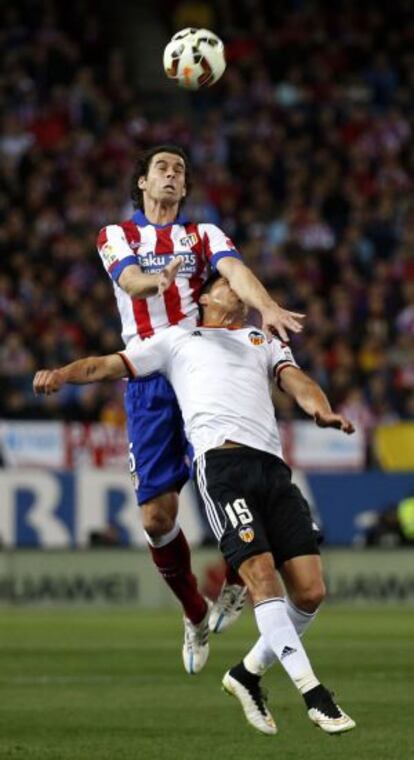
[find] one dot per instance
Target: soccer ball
(194, 58)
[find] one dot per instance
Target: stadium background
(303, 153)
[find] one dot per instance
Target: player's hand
(276, 320)
(48, 381)
(329, 419)
(168, 274)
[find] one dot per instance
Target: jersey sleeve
(114, 250)
(280, 357)
(143, 357)
(216, 244)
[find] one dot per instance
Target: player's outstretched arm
(83, 371)
(250, 290)
(311, 398)
(139, 284)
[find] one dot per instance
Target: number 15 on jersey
(238, 513)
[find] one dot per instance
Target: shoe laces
(260, 696)
(196, 635)
(231, 595)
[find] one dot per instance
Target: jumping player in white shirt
(221, 373)
(142, 257)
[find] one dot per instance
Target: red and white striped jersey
(152, 247)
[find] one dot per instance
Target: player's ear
(142, 182)
(204, 299)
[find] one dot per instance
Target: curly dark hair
(141, 170)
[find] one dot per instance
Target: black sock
(321, 698)
(242, 674)
(314, 695)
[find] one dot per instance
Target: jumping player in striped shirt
(158, 262)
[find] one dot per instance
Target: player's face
(165, 180)
(224, 297)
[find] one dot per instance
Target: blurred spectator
(391, 527)
(108, 537)
(194, 13)
(302, 153)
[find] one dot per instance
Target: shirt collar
(142, 221)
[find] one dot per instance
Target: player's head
(162, 174)
(219, 303)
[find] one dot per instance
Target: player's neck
(216, 318)
(158, 213)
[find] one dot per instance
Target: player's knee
(259, 574)
(159, 516)
(311, 596)
(157, 524)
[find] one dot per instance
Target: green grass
(110, 686)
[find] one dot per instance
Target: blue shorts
(157, 444)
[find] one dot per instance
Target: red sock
(174, 563)
(232, 576)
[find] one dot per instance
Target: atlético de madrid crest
(256, 337)
(189, 240)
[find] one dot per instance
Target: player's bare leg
(171, 555)
(305, 591)
(305, 587)
(278, 633)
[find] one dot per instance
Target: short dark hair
(143, 164)
(211, 280)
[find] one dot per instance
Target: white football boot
(196, 648)
(227, 607)
(253, 701)
(325, 713)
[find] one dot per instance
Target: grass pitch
(101, 685)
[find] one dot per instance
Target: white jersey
(222, 379)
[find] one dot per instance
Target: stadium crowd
(303, 154)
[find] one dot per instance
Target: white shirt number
(238, 513)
